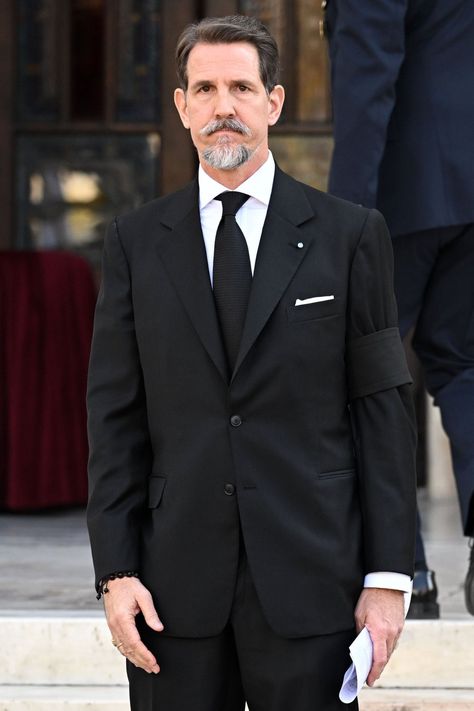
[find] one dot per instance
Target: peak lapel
(184, 256)
(279, 256)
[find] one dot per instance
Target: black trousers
(434, 286)
(247, 662)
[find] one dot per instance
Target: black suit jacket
(403, 98)
(321, 454)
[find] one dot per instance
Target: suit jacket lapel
(279, 256)
(280, 253)
(184, 256)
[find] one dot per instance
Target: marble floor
(46, 565)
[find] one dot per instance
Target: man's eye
(205, 89)
(242, 87)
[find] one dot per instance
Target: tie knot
(232, 202)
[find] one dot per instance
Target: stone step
(435, 653)
(63, 649)
(58, 649)
(115, 698)
(63, 698)
(416, 700)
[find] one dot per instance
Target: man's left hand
(382, 612)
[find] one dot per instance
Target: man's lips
(226, 130)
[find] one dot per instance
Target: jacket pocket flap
(156, 487)
(337, 474)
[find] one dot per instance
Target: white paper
(361, 651)
(313, 300)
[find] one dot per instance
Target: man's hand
(125, 599)
(381, 611)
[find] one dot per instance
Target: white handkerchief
(313, 300)
(354, 679)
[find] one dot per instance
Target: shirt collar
(258, 186)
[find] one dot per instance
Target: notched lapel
(184, 257)
(281, 251)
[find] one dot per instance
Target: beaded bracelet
(102, 584)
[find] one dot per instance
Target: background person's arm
(367, 48)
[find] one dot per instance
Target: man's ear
(276, 99)
(180, 103)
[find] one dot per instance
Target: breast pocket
(317, 310)
(156, 486)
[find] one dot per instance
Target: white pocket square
(313, 300)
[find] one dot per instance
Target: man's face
(227, 108)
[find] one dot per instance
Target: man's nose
(224, 106)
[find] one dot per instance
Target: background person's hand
(125, 599)
(382, 612)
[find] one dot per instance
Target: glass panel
(312, 64)
(70, 187)
(138, 60)
(38, 61)
(87, 59)
(272, 14)
(305, 74)
(306, 158)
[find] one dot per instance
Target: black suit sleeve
(120, 452)
(381, 406)
(367, 48)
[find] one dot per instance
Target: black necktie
(232, 276)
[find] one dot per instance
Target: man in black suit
(252, 443)
(403, 97)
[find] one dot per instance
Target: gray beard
(224, 156)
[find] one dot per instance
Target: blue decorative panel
(38, 65)
(138, 85)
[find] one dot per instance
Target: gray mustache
(229, 124)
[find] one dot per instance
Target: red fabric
(46, 312)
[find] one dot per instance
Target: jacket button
(235, 420)
(229, 489)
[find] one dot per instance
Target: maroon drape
(46, 312)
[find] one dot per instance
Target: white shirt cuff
(392, 581)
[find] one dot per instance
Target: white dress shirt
(250, 219)
(251, 215)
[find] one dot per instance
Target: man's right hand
(125, 599)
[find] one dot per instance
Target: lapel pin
(300, 245)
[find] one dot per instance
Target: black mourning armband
(376, 362)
